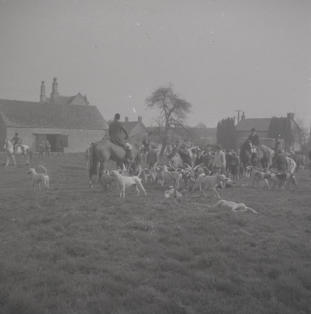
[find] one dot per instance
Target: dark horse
(101, 152)
(259, 156)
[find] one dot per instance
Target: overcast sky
(220, 55)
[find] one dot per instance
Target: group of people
(279, 161)
(44, 145)
(44, 148)
(219, 160)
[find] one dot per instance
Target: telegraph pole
(238, 111)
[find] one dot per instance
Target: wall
(243, 135)
(78, 140)
(297, 136)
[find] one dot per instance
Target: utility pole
(238, 111)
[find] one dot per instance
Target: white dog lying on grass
(39, 179)
(128, 181)
(235, 207)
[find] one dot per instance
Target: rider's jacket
(254, 139)
(117, 133)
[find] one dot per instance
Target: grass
(76, 250)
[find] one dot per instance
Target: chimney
(54, 92)
(126, 119)
(42, 92)
(140, 119)
(243, 116)
(290, 115)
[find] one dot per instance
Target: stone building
(69, 123)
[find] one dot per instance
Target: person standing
(15, 141)
(277, 144)
(47, 147)
(219, 160)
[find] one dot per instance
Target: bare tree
(172, 110)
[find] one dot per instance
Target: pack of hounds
(190, 179)
(180, 181)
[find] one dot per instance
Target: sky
(219, 55)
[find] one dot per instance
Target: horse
(101, 152)
(20, 149)
(265, 155)
(257, 156)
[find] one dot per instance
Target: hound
(281, 180)
(235, 207)
(39, 179)
(204, 182)
(258, 176)
(148, 175)
(164, 176)
(128, 181)
(172, 193)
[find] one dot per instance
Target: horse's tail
(92, 160)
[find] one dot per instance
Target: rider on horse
(118, 135)
(254, 138)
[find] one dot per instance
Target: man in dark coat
(118, 135)
(253, 137)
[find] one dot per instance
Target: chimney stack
(126, 119)
(42, 92)
(290, 115)
(140, 119)
(54, 92)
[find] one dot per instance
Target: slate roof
(260, 124)
(66, 100)
(62, 116)
(129, 125)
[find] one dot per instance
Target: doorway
(57, 141)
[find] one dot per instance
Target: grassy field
(76, 250)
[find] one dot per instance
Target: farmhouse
(70, 124)
(136, 130)
(263, 129)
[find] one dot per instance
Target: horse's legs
(137, 190)
(100, 171)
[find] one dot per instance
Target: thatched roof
(62, 116)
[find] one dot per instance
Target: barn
(69, 123)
